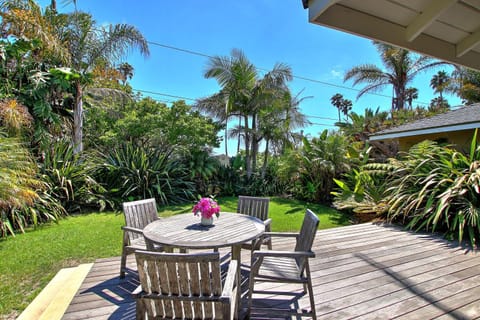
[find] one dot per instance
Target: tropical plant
(277, 124)
(363, 188)
(70, 180)
(438, 105)
(14, 117)
(440, 82)
(88, 43)
(202, 167)
(126, 70)
(18, 184)
(132, 172)
(437, 188)
(309, 171)
(410, 95)
(148, 123)
(401, 68)
(245, 94)
(343, 105)
(466, 84)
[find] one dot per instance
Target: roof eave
(396, 135)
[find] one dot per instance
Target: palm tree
(237, 77)
(243, 93)
(126, 70)
(88, 43)
(277, 123)
(73, 40)
(440, 81)
(343, 105)
(267, 91)
(410, 95)
(401, 68)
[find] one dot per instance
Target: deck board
(364, 271)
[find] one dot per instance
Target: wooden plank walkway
(364, 271)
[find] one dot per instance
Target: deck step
(54, 299)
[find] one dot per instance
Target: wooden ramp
(53, 300)
(364, 271)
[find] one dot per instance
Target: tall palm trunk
(248, 167)
(265, 158)
(226, 129)
(78, 119)
(239, 136)
(254, 141)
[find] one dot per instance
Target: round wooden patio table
(185, 232)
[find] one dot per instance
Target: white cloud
(337, 74)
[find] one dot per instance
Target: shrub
(439, 189)
(130, 172)
(431, 187)
(309, 171)
(70, 180)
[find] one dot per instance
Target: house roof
(464, 118)
(445, 29)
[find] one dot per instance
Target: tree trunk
(226, 130)
(248, 168)
(239, 135)
(254, 141)
(78, 120)
(265, 158)
(226, 137)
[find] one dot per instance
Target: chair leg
(254, 269)
(251, 283)
(310, 292)
(269, 244)
(123, 263)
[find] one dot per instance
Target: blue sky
(268, 31)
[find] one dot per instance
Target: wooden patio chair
(258, 208)
(184, 286)
(137, 215)
(287, 266)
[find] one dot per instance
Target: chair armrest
(281, 234)
(230, 281)
(137, 293)
(268, 225)
(286, 254)
(131, 229)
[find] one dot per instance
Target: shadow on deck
(364, 271)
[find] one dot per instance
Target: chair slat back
(182, 285)
(138, 214)
(253, 206)
(307, 235)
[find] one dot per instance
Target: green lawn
(30, 260)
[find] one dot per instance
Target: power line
(164, 94)
(266, 70)
(186, 98)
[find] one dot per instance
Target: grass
(29, 261)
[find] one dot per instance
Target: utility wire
(185, 98)
(266, 70)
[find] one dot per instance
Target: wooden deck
(364, 271)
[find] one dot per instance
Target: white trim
(468, 43)
(426, 18)
(411, 133)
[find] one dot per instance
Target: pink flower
(206, 207)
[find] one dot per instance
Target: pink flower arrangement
(206, 208)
